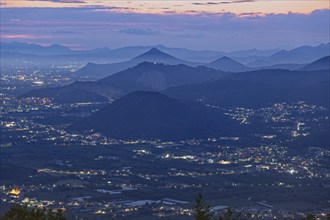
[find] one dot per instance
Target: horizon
(159, 45)
(179, 7)
(214, 25)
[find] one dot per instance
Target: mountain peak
(225, 58)
(58, 46)
(227, 64)
(154, 53)
(154, 50)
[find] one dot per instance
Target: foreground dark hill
(260, 88)
(152, 115)
(145, 76)
(97, 71)
(228, 65)
(320, 64)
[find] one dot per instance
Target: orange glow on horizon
(185, 7)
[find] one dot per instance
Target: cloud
(61, 1)
(138, 31)
(22, 37)
(243, 1)
(221, 2)
(112, 9)
(98, 27)
(64, 32)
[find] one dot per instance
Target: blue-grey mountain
(228, 65)
(300, 55)
(93, 70)
(320, 64)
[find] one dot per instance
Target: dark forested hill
(147, 115)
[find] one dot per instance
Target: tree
(310, 217)
(202, 210)
(24, 213)
(228, 215)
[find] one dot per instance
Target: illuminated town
(260, 174)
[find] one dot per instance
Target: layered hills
(145, 76)
(252, 88)
(260, 88)
(299, 55)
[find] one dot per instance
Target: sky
(225, 25)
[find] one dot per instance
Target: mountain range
(92, 70)
(251, 88)
(144, 76)
(35, 49)
(224, 63)
(299, 55)
(19, 53)
(126, 53)
(180, 112)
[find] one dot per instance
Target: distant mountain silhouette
(153, 55)
(320, 64)
(151, 115)
(227, 64)
(145, 76)
(106, 54)
(299, 55)
(251, 58)
(259, 88)
(27, 48)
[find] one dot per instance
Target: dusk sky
(225, 25)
